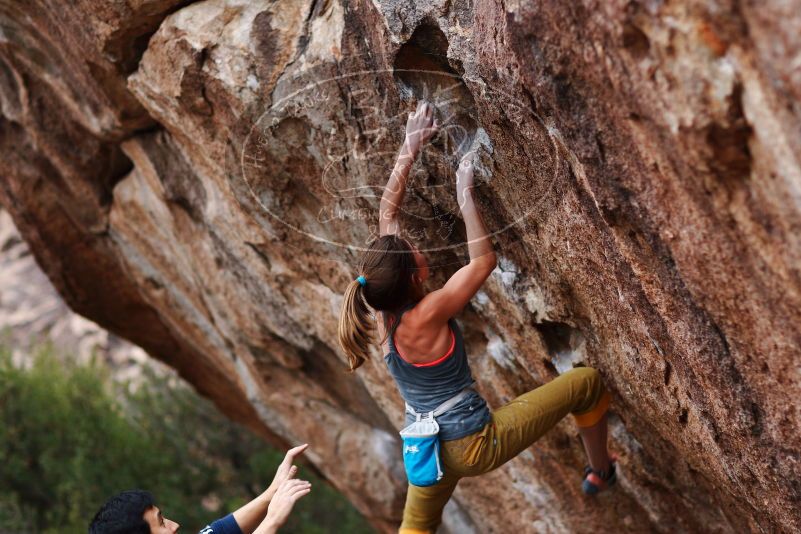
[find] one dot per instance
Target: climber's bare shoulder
(437, 307)
(421, 340)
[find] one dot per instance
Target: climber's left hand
(420, 126)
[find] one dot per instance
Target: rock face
(32, 313)
(200, 177)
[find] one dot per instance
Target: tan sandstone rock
(204, 191)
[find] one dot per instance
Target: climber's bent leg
(512, 429)
(594, 438)
(423, 511)
(524, 420)
(597, 397)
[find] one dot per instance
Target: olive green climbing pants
(511, 430)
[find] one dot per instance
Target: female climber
(424, 350)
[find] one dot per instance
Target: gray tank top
(426, 386)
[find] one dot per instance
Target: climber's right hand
(464, 180)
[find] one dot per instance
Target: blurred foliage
(70, 438)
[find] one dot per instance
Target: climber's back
(424, 386)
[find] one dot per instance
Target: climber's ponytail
(355, 326)
(384, 284)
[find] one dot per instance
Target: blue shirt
(226, 525)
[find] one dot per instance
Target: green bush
(69, 439)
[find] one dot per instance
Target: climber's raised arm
(420, 126)
(442, 304)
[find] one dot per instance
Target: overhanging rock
(199, 177)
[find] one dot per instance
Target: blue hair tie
(362, 280)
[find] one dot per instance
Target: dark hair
(387, 266)
(123, 514)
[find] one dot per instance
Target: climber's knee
(595, 399)
(590, 377)
(592, 417)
